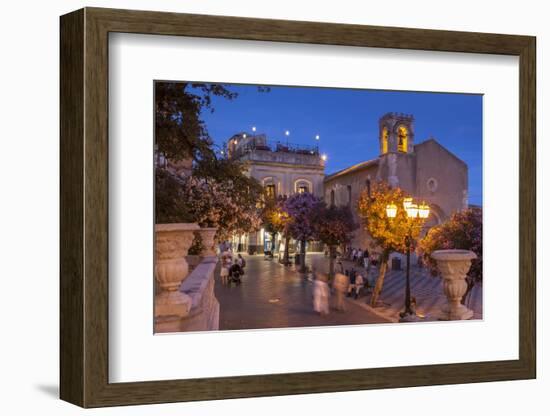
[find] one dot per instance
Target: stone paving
(425, 288)
(274, 296)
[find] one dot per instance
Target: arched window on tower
(402, 139)
(385, 137)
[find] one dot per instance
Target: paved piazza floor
(274, 296)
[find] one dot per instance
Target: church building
(427, 171)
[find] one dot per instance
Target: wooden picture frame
(84, 207)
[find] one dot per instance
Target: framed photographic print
(284, 193)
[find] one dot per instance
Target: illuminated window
(270, 191)
(402, 138)
(302, 189)
(385, 135)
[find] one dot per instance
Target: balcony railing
(281, 147)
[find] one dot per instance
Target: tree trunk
(303, 256)
(285, 255)
(380, 281)
(273, 241)
(332, 255)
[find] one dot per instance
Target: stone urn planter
(453, 266)
(172, 242)
(208, 235)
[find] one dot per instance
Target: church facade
(427, 171)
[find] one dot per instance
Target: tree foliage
(219, 193)
(231, 177)
(333, 225)
(300, 208)
(274, 217)
(170, 203)
(179, 130)
(462, 231)
(388, 233)
(207, 203)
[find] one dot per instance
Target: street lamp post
(413, 211)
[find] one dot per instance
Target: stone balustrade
(204, 309)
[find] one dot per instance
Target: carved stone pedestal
(453, 266)
(172, 241)
(208, 235)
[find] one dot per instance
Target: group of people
(232, 269)
(344, 284)
(359, 256)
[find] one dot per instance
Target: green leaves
(180, 132)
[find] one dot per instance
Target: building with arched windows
(282, 168)
(427, 171)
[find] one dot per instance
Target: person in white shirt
(359, 282)
(321, 294)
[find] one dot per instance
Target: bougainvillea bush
(462, 231)
(299, 208)
(207, 203)
(333, 226)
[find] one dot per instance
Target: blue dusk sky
(347, 121)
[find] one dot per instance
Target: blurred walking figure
(320, 293)
(359, 282)
(351, 285)
(226, 264)
(241, 261)
(340, 285)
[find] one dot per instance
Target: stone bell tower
(396, 138)
(396, 133)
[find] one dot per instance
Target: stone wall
(204, 310)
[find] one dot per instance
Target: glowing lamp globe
(424, 211)
(412, 211)
(407, 202)
(391, 210)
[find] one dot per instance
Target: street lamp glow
(412, 211)
(244, 135)
(253, 128)
(287, 133)
(407, 202)
(424, 210)
(391, 210)
(235, 141)
(317, 137)
(324, 157)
